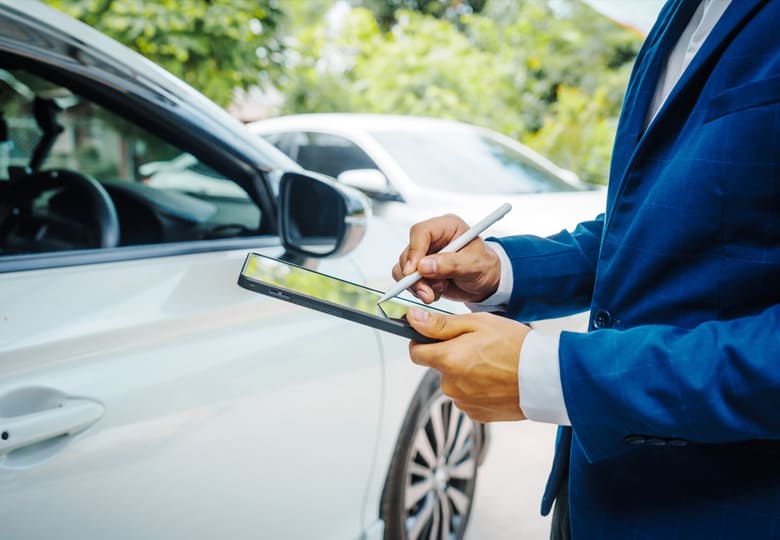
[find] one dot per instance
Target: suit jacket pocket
(746, 96)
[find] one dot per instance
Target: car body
(143, 394)
(417, 167)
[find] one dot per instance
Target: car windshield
(466, 161)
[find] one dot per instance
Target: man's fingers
(428, 355)
(440, 325)
(446, 266)
(438, 286)
(397, 273)
(403, 264)
(429, 236)
(423, 291)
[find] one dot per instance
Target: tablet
(314, 290)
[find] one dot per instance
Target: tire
(430, 484)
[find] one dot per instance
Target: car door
(143, 394)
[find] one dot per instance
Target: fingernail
(428, 265)
(408, 268)
(417, 314)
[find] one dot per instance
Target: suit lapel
(729, 24)
(666, 32)
(631, 137)
(646, 79)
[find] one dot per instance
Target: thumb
(438, 325)
(444, 266)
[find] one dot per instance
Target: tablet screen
(323, 287)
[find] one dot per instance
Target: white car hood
(539, 213)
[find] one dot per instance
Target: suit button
(602, 319)
(677, 442)
(655, 442)
(635, 440)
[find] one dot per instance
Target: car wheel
(430, 484)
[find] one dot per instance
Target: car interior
(328, 154)
(74, 175)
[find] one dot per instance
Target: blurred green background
(550, 73)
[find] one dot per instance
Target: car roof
(362, 121)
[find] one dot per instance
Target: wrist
(498, 275)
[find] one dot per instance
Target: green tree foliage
(577, 133)
(551, 74)
(575, 65)
(214, 45)
(386, 10)
(424, 66)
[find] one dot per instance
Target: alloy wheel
(441, 473)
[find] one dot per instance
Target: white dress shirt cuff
(539, 380)
(504, 292)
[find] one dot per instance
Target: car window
(328, 154)
(278, 140)
(466, 160)
(52, 138)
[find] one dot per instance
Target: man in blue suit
(670, 403)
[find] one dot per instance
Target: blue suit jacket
(674, 394)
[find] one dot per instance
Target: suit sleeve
(716, 383)
(553, 276)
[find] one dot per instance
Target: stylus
(455, 245)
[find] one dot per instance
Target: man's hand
(478, 360)
(469, 275)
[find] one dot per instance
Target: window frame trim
(61, 259)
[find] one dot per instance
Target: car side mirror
(318, 217)
(369, 181)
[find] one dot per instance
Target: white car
(415, 167)
(143, 394)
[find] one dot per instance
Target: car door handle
(71, 416)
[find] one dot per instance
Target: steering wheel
(79, 214)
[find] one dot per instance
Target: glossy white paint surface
(227, 414)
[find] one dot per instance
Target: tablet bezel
(399, 327)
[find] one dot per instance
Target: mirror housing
(319, 217)
(370, 181)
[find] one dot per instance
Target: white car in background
(415, 168)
